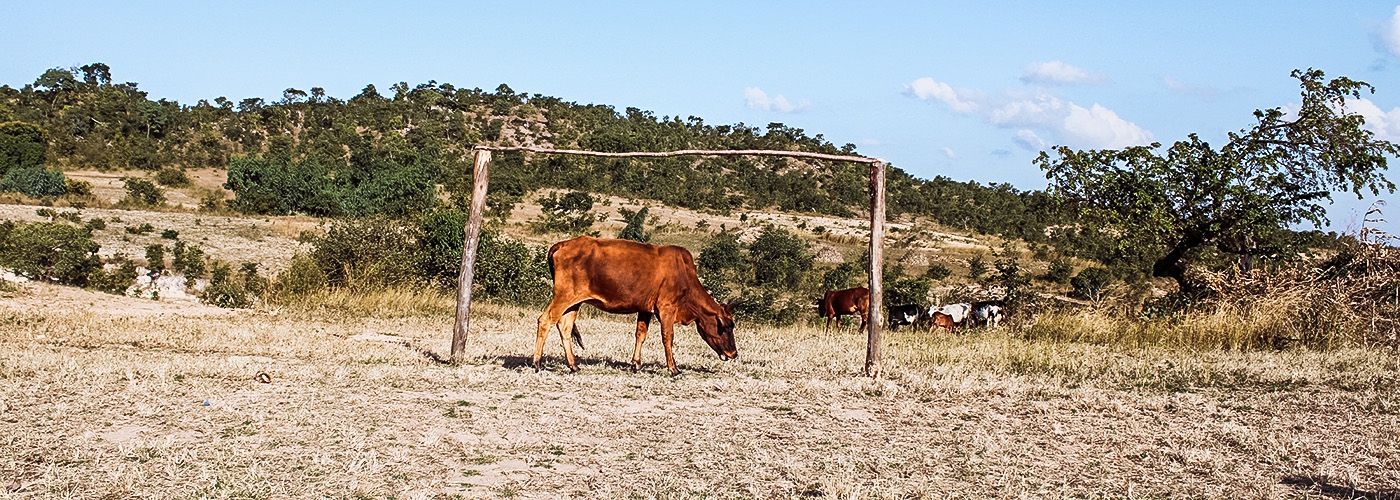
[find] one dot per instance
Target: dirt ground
(119, 397)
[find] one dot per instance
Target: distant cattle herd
(626, 277)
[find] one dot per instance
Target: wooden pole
(877, 263)
(469, 242)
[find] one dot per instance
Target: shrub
(369, 253)
(141, 229)
(1060, 271)
(142, 193)
(1091, 283)
(193, 265)
(937, 272)
(212, 201)
(115, 280)
(96, 224)
(635, 229)
(38, 182)
(172, 177)
(906, 291)
(721, 264)
(977, 267)
(839, 277)
(170, 234)
(49, 251)
(505, 269)
(303, 277)
(779, 258)
(225, 290)
(75, 187)
(155, 257)
(571, 213)
(22, 146)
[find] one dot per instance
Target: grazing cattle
(626, 277)
(958, 312)
(837, 303)
(988, 313)
(907, 314)
(942, 320)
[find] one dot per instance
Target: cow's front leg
(668, 333)
(566, 331)
(643, 320)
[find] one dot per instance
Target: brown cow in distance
(841, 302)
(625, 277)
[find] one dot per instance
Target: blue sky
(966, 90)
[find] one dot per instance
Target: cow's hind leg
(550, 317)
(566, 331)
(643, 319)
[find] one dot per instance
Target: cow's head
(718, 331)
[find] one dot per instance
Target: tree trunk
(1170, 266)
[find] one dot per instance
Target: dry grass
(105, 405)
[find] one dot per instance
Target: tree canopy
(1165, 207)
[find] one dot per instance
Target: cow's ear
(728, 308)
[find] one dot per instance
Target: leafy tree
(635, 229)
(721, 264)
(977, 267)
(1237, 198)
(779, 258)
(571, 213)
(21, 146)
(937, 271)
(839, 277)
(155, 257)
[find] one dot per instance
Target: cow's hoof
(573, 369)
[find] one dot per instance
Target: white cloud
(1029, 141)
(1059, 73)
(1040, 117)
(1068, 123)
(1201, 91)
(1100, 127)
(960, 101)
(1386, 125)
(758, 99)
(951, 154)
(1391, 33)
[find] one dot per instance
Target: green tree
(141, 192)
(635, 229)
(779, 258)
(1237, 198)
(21, 146)
(571, 213)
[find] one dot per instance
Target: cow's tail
(578, 339)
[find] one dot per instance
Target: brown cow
(625, 277)
(943, 320)
(841, 302)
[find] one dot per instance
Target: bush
(38, 182)
(141, 229)
(937, 272)
(370, 253)
(141, 193)
(779, 258)
(155, 257)
(22, 146)
(977, 267)
(721, 265)
(191, 262)
(1060, 271)
(96, 224)
(49, 251)
(902, 291)
(172, 177)
(839, 277)
(75, 187)
(571, 214)
(635, 229)
(170, 234)
(226, 290)
(303, 277)
(505, 269)
(1091, 283)
(115, 280)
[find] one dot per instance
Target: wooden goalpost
(877, 231)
